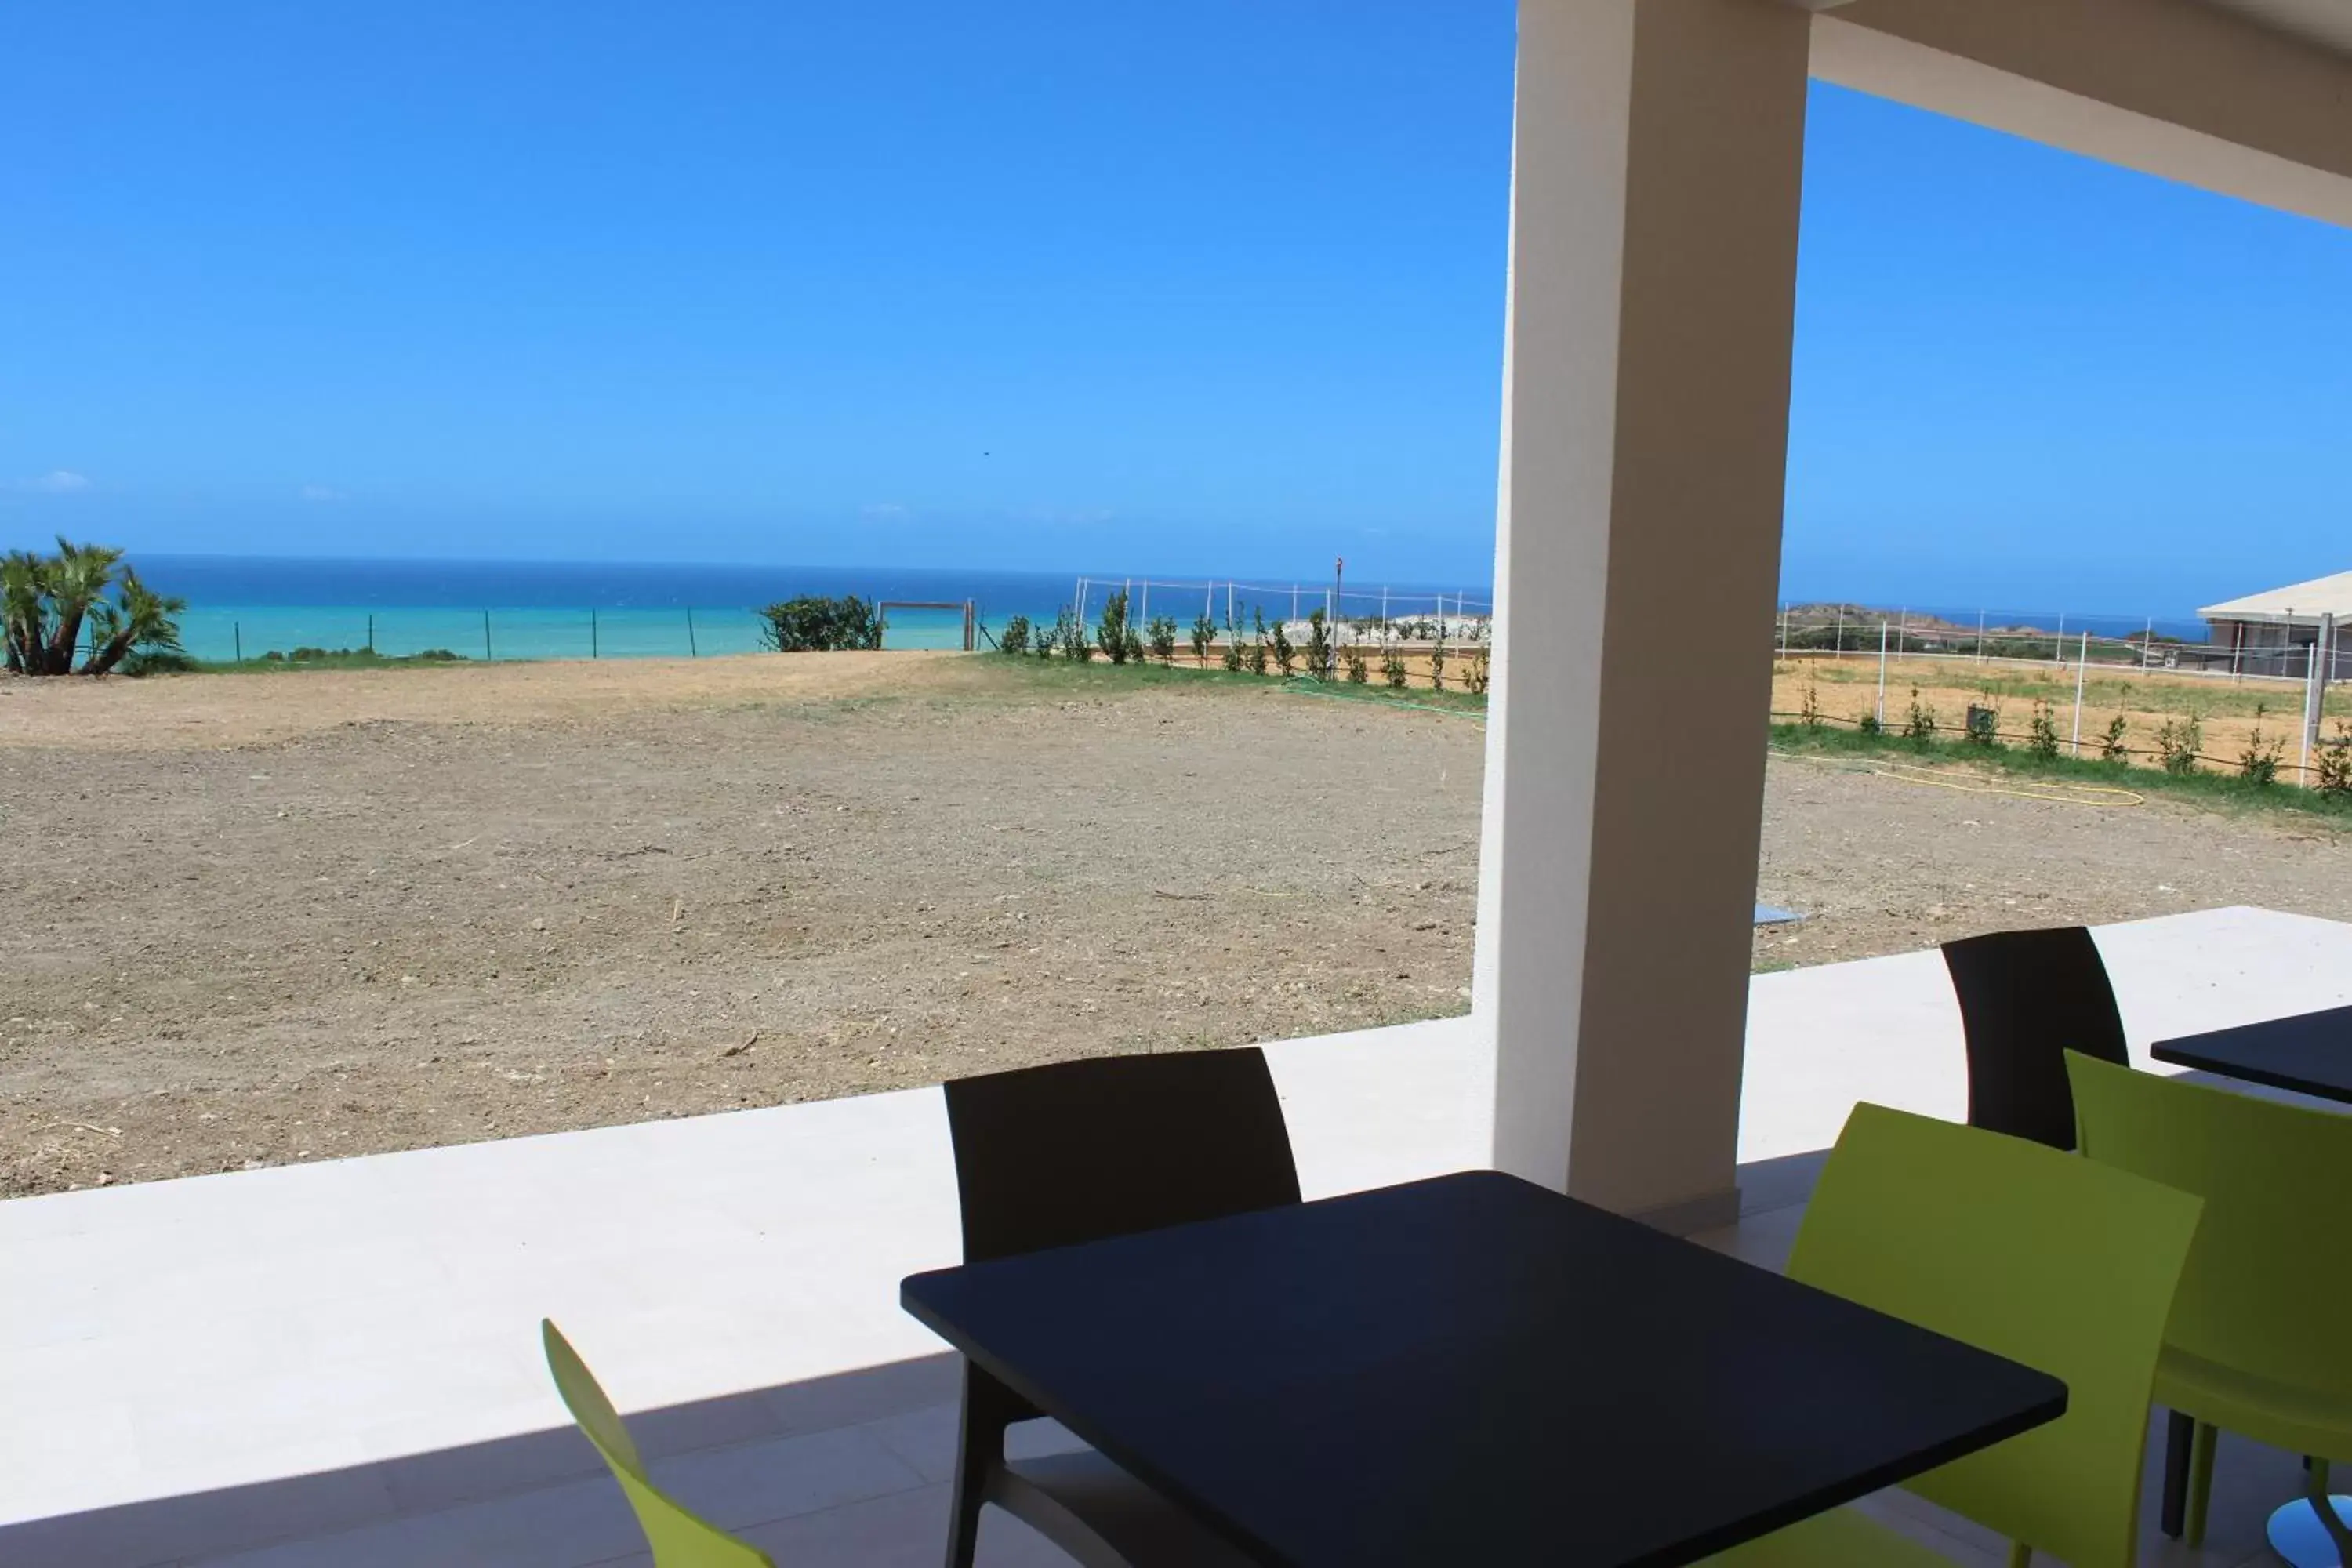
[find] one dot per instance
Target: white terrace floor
(338, 1364)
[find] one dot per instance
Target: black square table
(2310, 1053)
(1472, 1370)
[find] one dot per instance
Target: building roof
(2297, 602)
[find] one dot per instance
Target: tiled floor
(873, 1492)
(336, 1363)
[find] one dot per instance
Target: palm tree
(77, 579)
(24, 608)
(45, 600)
(143, 619)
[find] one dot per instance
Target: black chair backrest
(2026, 997)
(1052, 1156)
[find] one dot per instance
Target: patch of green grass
(1100, 676)
(335, 658)
(2221, 791)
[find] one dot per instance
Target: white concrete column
(1656, 166)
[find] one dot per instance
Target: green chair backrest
(2268, 1281)
(678, 1539)
(2030, 1253)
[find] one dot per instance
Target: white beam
(1658, 154)
(2172, 87)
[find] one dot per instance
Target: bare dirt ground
(258, 919)
(301, 915)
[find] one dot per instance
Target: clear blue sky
(1216, 287)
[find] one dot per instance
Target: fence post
(370, 631)
(1293, 601)
(1981, 629)
(593, 651)
(692, 650)
(1841, 629)
(1784, 631)
(2082, 668)
(486, 637)
(2058, 647)
(1229, 604)
(1082, 603)
(2148, 645)
(236, 635)
(1147, 602)
(2315, 694)
(1882, 674)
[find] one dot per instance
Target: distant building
(2272, 633)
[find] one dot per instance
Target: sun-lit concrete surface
(1888, 1029)
(341, 1358)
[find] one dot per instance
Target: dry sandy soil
(2225, 710)
(258, 919)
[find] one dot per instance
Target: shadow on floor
(168, 1530)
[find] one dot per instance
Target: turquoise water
(248, 631)
(248, 607)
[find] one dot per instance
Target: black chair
(1053, 1156)
(2026, 997)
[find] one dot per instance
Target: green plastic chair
(678, 1539)
(2030, 1253)
(2257, 1343)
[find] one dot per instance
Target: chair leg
(989, 1407)
(2200, 1480)
(2179, 1429)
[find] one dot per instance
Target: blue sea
(248, 607)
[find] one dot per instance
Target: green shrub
(1358, 671)
(2112, 747)
(812, 624)
(1132, 648)
(2177, 741)
(2041, 731)
(1479, 671)
(1015, 640)
(2258, 764)
(1870, 724)
(1205, 632)
(1809, 707)
(156, 661)
(1919, 722)
(1111, 630)
(1393, 669)
(1322, 653)
(2332, 764)
(1285, 654)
